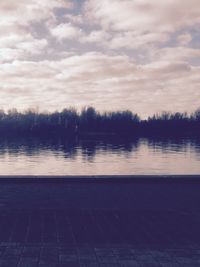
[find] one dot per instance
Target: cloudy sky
(142, 55)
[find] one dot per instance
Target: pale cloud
(10, 40)
(141, 23)
(75, 19)
(144, 15)
(25, 11)
(9, 54)
(113, 54)
(17, 39)
(97, 36)
(179, 53)
(66, 31)
(16, 46)
(167, 67)
(103, 80)
(184, 39)
(134, 41)
(33, 47)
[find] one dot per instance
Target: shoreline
(101, 178)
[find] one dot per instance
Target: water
(99, 157)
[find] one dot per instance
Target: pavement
(97, 222)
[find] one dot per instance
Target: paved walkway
(52, 255)
(99, 224)
(57, 238)
(101, 227)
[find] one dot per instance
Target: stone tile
(68, 264)
(144, 258)
(150, 264)
(188, 261)
(171, 264)
(28, 262)
(108, 265)
(8, 263)
(32, 252)
(12, 252)
(129, 263)
(89, 264)
(49, 255)
(68, 258)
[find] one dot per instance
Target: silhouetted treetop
(71, 122)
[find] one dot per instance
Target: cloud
(18, 39)
(140, 23)
(113, 54)
(105, 81)
(184, 39)
(134, 41)
(75, 19)
(66, 31)
(9, 54)
(33, 46)
(16, 46)
(167, 67)
(179, 53)
(144, 15)
(25, 11)
(97, 36)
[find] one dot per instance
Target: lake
(99, 157)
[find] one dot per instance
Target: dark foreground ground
(100, 221)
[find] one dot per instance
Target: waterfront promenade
(100, 221)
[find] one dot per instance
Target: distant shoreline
(89, 122)
(101, 178)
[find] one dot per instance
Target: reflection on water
(98, 157)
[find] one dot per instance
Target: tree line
(91, 122)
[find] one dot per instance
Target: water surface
(99, 157)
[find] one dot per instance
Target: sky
(141, 55)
